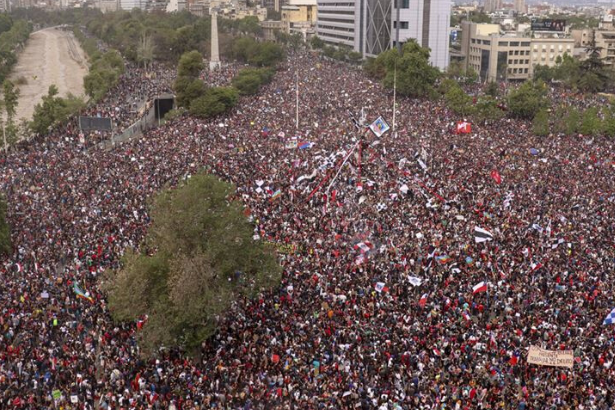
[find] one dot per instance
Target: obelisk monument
(214, 61)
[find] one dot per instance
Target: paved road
(51, 56)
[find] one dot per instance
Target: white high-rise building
(371, 26)
(132, 4)
(426, 21)
(339, 22)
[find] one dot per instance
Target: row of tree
(565, 120)
(202, 101)
(12, 37)
(104, 74)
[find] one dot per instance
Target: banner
(542, 357)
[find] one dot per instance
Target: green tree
(492, 89)
(6, 22)
(53, 110)
(480, 18)
(249, 80)
(415, 76)
(458, 101)
(204, 259)
(214, 102)
(608, 124)
(11, 99)
(486, 109)
(190, 64)
(5, 231)
(591, 123)
(525, 101)
(188, 89)
(317, 43)
(540, 123)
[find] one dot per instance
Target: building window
(404, 4)
(514, 44)
(525, 44)
(509, 62)
(503, 44)
(403, 24)
(487, 42)
(473, 41)
(525, 70)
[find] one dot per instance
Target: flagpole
(394, 92)
(297, 101)
(343, 163)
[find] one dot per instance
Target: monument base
(214, 65)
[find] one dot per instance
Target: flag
(305, 145)
(364, 247)
(423, 300)
(381, 287)
(414, 281)
(19, 267)
(81, 294)
(291, 144)
(610, 318)
(482, 235)
(379, 127)
(307, 177)
(514, 359)
(422, 164)
(535, 266)
(276, 195)
(466, 316)
(496, 176)
(443, 259)
(479, 287)
(464, 127)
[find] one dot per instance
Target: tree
(593, 75)
(540, 124)
(214, 102)
(458, 101)
(590, 124)
(316, 42)
(415, 76)
(199, 257)
(608, 124)
(188, 89)
(145, 51)
(53, 110)
(249, 80)
(190, 64)
(480, 18)
(486, 109)
(525, 101)
(5, 231)
(11, 99)
(492, 89)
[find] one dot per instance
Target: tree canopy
(415, 76)
(198, 257)
(5, 232)
(525, 101)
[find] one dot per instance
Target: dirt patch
(51, 56)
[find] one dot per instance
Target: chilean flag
(423, 300)
(496, 176)
(464, 127)
(480, 287)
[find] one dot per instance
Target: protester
(376, 308)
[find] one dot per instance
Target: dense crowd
(376, 308)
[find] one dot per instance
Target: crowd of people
(376, 309)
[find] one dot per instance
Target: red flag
(496, 176)
(423, 300)
(464, 127)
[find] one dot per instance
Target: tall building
(132, 4)
(519, 6)
(371, 26)
(426, 21)
(492, 5)
(340, 22)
